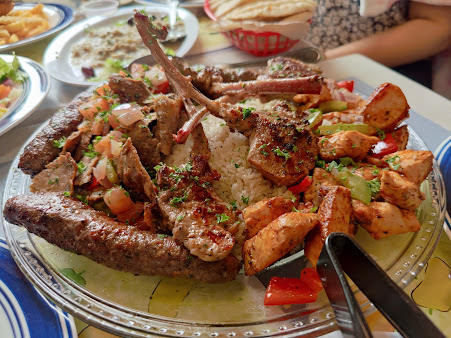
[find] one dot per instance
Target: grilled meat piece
(130, 89)
(197, 217)
(168, 115)
(57, 177)
(283, 152)
(413, 164)
(398, 190)
(132, 173)
(76, 227)
(42, 150)
(146, 144)
(85, 175)
(283, 67)
(82, 146)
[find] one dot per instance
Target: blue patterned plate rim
(35, 88)
(65, 18)
(443, 157)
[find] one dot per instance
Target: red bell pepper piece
(93, 184)
(349, 85)
(310, 277)
(384, 147)
(301, 187)
(284, 291)
(162, 88)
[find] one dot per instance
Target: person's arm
(427, 33)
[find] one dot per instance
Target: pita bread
(221, 7)
(269, 9)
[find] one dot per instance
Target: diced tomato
(118, 200)
(284, 291)
(386, 146)
(103, 91)
(104, 146)
(99, 126)
(132, 214)
(349, 85)
(4, 91)
(93, 184)
(162, 88)
(310, 277)
(91, 108)
(114, 122)
(301, 187)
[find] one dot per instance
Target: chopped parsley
(314, 209)
(60, 143)
(83, 199)
(161, 236)
(281, 153)
(81, 167)
(247, 112)
(180, 217)
(220, 218)
(245, 199)
(381, 134)
(91, 153)
(392, 161)
(375, 186)
(66, 193)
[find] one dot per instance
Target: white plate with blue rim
(59, 17)
(35, 88)
(58, 59)
(443, 157)
(24, 312)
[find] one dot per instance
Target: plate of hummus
(91, 50)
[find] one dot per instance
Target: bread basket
(257, 43)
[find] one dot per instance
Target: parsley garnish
(60, 143)
(282, 153)
(220, 218)
(247, 112)
(245, 199)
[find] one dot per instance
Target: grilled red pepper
(349, 85)
(93, 184)
(162, 88)
(284, 291)
(301, 187)
(310, 277)
(386, 146)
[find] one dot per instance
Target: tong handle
(341, 254)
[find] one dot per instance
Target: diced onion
(127, 114)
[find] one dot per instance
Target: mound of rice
(239, 181)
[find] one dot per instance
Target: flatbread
(267, 10)
(222, 7)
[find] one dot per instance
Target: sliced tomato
(93, 184)
(310, 277)
(4, 91)
(349, 85)
(103, 91)
(91, 108)
(301, 187)
(162, 88)
(131, 215)
(118, 200)
(386, 146)
(284, 291)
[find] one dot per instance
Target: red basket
(257, 43)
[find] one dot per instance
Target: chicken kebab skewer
(282, 147)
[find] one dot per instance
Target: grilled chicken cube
(382, 219)
(346, 144)
(401, 137)
(276, 240)
(334, 215)
(321, 182)
(385, 109)
(335, 212)
(398, 190)
(413, 164)
(260, 214)
(313, 245)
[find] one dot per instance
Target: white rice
(239, 181)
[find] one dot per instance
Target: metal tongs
(340, 255)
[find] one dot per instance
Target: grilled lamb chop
(76, 227)
(291, 145)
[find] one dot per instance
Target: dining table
(430, 117)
